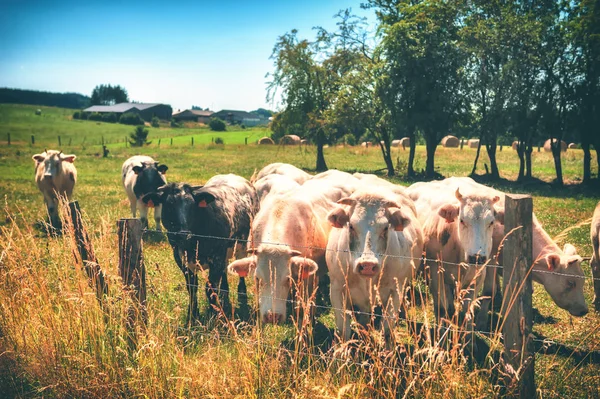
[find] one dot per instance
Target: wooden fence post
(518, 323)
(86, 252)
(32, 139)
(70, 139)
(171, 140)
(192, 141)
(59, 142)
(133, 272)
(8, 138)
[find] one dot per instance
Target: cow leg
(133, 206)
(440, 291)
(191, 282)
(157, 215)
(337, 293)
(143, 213)
(595, 264)
(489, 286)
(218, 297)
(392, 311)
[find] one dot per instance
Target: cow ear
(449, 212)
(574, 260)
(242, 267)
(569, 249)
(338, 218)
(397, 219)
(137, 169)
(162, 169)
(38, 158)
(202, 197)
(68, 158)
(302, 268)
(553, 261)
(499, 214)
(346, 201)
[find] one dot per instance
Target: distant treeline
(33, 97)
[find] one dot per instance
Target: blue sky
(207, 53)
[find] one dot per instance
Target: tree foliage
(217, 125)
(109, 95)
(139, 137)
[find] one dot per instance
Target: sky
(206, 53)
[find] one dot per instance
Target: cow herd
(288, 229)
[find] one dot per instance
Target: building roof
(237, 114)
(196, 112)
(120, 108)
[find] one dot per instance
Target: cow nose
(272, 318)
(477, 259)
(582, 313)
(368, 268)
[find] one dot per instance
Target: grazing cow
(457, 228)
(142, 175)
(371, 254)
(565, 285)
(595, 234)
(55, 176)
(204, 223)
(271, 185)
(286, 169)
(288, 242)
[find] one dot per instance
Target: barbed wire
(487, 264)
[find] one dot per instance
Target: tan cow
(595, 236)
(371, 254)
(55, 176)
(272, 185)
(288, 243)
(286, 169)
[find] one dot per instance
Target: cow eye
(570, 285)
(462, 221)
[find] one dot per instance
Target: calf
(278, 168)
(142, 175)
(371, 254)
(288, 244)
(204, 224)
(55, 176)
(457, 228)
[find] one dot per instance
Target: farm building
(238, 117)
(193, 115)
(146, 111)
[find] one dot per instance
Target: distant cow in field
(142, 175)
(204, 224)
(55, 176)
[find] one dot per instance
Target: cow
(288, 242)
(595, 263)
(458, 231)
(142, 175)
(204, 224)
(55, 176)
(372, 251)
(565, 281)
(286, 169)
(274, 184)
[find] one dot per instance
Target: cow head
(475, 216)
(369, 220)
(150, 176)
(276, 268)
(52, 162)
(566, 286)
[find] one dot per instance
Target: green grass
(42, 295)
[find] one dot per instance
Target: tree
(139, 137)
(109, 95)
(217, 125)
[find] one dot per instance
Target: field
(56, 342)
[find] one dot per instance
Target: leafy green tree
(217, 125)
(139, 137)
(155, 122)
(109, 95)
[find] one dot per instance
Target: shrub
(219, 140)
(139, 137)
(348, 139)
(77, 115)
(109, 117)
(84, 115)
(95, 116)
(38, 111)
(174, 123)
(131, 118)
(154, 122)
(243, 126)
(217, 125)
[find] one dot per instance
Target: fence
(519, 343)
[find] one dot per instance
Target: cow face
(369, 222)
(475, 217)
(276, 269)
(150, 176)
(52, 162)
(566, 287)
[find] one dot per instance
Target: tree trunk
(587, 160)
(491, 150)
(431, 146)
(387, 157)
(321, 165)
(411, 156)
(555, 146)
(528, 151)
(477, 155)
(521, 154)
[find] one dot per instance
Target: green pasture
(101, 197)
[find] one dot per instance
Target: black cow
(203, 224)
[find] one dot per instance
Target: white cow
(286, 169)
(288, 243)
(142, 175)
(55, 176)
(371, 254)
(457, 228)
(272, 185)
(595, 237)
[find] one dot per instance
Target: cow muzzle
(367, 267)
(272, 318)
(477, 259)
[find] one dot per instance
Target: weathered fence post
(32, 139)
(133, 272)
(518, 262)
(86, 252)
(8, 138)
(192, 141)
(159, 143)
(171, 140)
(245, 140)
(70, 139)
(462, 142)
(59, 142)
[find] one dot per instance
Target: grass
(56, 342)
